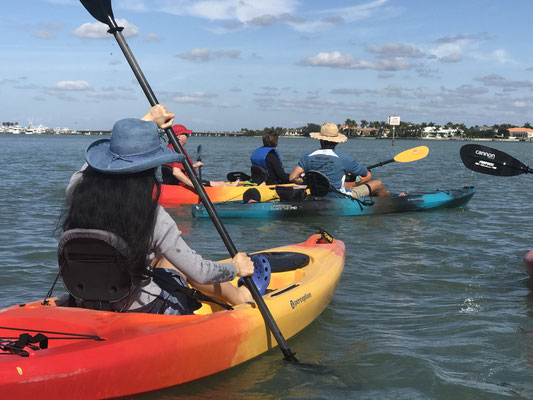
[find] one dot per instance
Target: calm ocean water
(433, 305)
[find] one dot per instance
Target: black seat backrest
(167, 176)
(259, 174)
(93, 267)
(318, 183)
(291, 193)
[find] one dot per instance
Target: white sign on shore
(394, 120)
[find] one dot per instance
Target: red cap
(181, 130)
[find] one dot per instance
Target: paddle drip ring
(262, 271)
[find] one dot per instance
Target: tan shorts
(361, 191)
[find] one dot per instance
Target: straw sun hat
(329, 132)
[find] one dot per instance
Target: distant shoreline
(100, 133)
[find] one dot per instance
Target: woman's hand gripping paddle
(487, 160)
(102, 11)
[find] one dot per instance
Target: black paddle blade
(238, 176)
(101, 10)
(487, 160)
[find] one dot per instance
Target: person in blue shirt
(336, 165)
(268, 158)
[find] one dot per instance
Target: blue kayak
(324, 206)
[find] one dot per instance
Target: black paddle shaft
(102, 11)
(487, 160)
(379, 164)
(199, 158)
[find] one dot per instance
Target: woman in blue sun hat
(117, 191)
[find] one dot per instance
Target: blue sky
(231, 64)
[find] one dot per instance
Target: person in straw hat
(336, 165)
(116, 192)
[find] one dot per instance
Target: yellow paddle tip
(416, 153)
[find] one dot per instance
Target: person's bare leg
(377, 188)
(225, 291)
(221, 183)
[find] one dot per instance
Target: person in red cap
(176, 174)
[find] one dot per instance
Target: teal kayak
(325, 206)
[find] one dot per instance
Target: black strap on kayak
(190, 292)
(320, 185)
(24, 340)
(69, 335)
(14, 345)
(49, 294)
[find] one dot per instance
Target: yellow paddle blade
(416, 153)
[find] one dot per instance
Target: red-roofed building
(521, 133)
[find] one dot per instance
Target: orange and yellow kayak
(99, 354)
(175, 194)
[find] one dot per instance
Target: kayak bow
(100, 354)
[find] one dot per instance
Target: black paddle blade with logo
(101, 11)
(487, 160)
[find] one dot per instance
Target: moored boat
(101, 354)
(177, 194)
(324, 206)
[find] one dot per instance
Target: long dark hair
(124, 204)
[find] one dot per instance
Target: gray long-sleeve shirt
(167, 241)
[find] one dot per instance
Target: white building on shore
(521, 133)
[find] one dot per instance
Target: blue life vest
(258, 156)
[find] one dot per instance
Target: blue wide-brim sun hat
(134, 147)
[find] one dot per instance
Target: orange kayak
(175, 194)
(99, 354)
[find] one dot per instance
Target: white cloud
(97, 30)
(215, 10)
(239, 10)
(452, 58)
(496, 80)
(395, 50)
(253, 13)
(335, 16)
(199, 97)
(72, 85)
(501, 56)
(205, 54)
(451, 48)
(336, 60)
(360, 11)
(226, 104)
(153, 37)
(43, 35)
